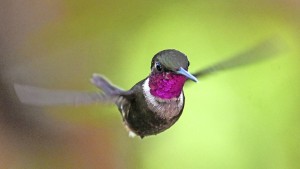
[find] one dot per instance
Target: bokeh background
(244, 119)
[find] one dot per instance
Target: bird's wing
(105, 85)
(263, 51)
(45, 97)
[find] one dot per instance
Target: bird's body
(155, 103)
(144, 114)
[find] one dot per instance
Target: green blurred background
(241, 119)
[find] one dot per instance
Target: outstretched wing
(45, 97)
(263, 51)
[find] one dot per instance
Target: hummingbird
(153, 104)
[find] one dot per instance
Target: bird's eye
(158, 66)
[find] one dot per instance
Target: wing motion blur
(261, 52)
(45, 97)
(112, 94)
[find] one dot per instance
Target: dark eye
(158, 66)
(188, 63)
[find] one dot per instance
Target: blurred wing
(263, 51)
(45, 97)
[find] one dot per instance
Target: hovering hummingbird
(155, 103)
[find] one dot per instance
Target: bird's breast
(166, 85)
(165, 108)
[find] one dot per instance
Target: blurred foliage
(244, 118)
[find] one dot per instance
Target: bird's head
(169, 71)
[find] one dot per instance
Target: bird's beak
(186, 74)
